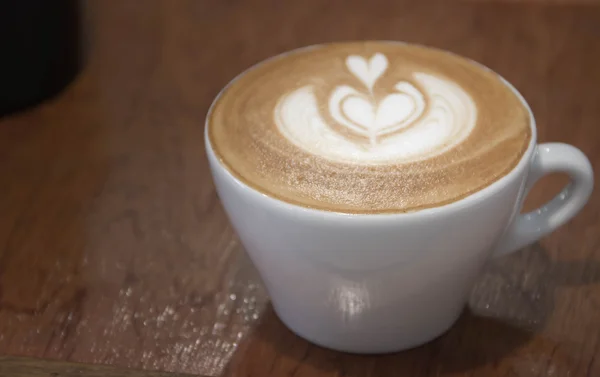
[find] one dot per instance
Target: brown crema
(245, 138)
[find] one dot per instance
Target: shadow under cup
(378, 283)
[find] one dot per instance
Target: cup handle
(527, 228)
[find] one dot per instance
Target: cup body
(370, 283)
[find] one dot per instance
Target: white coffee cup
(377, 283)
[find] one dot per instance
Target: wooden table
(114, 248)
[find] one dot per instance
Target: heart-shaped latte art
(368, 122)
(394, 110)
(360, 113)
(367, 71)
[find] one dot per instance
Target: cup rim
(466, 201)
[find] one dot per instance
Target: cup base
(371, 348)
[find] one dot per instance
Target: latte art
(404, 125)
(368, 127)
(363, 113)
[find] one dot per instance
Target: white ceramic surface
(378, 283)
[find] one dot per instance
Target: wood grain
(114, 248)
(28, 367)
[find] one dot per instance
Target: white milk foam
(369, 127)
(404, 126)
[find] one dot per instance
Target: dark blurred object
(39, 49)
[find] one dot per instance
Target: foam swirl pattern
(368, 127)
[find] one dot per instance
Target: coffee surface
(368, 127)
